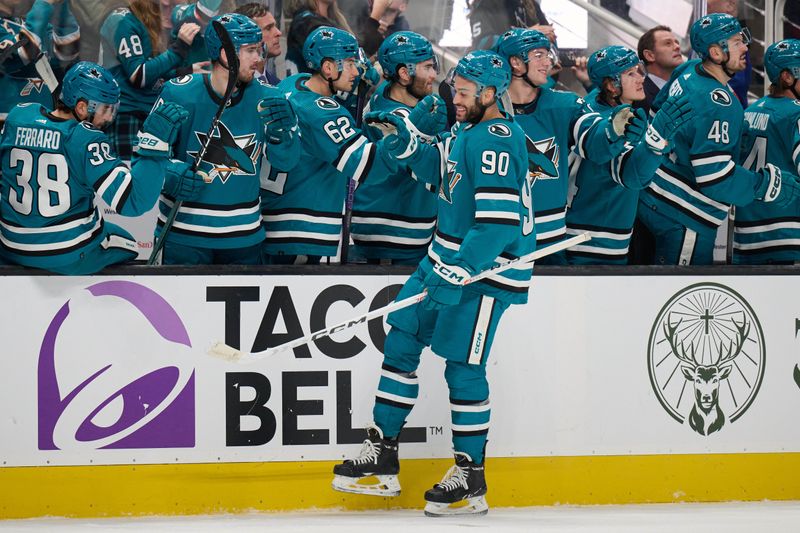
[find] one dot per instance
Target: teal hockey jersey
(555, 124)
(19, 79)
(52, 170)
(302, 208)
(227, 212)
(764, 232)
(700, 180)
(181, 14)
(486, 211)
(394, 214)
(127, 52)
(602, 207)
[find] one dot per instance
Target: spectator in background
(19, 79)
(200, 13)
(166, 15)
(740, 83)
(308, 15)
(132, 48)
(660, 51)
(791, 28)
(271, 37)
(377, 20)
(488, 19)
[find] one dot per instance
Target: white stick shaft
(395, 306)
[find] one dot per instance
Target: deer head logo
(706, 357)
(706, 416)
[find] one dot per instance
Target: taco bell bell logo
(115, 372)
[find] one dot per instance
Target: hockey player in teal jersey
(128, 51)
(199, 12)
(19, 79)
(694, 188)
(394, 215)
(222, 225)
(56, 165)
(555, 123)
(485, 217)
(606, 195)
(302, 209)
(765, 232)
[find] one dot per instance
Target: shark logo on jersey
(34, 84)
(501, 130)
(182, 80)
(327, 103)
(228, 154)
(721, 97)
(543, 157)
(449, 183)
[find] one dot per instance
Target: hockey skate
(377, 459)
(461, 491)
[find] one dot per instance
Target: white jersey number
(494, 163)
(135, 48)
(757, 157)
(51, 177)
(527, 202)
(339, 130)
(719, 132)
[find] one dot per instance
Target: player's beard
(475, 113)
(418, 88)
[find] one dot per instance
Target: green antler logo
(706, 357)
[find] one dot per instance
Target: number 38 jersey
(486, 209)
(302, 210)
(52, 169)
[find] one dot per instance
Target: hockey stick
(233, 77)
(41, 63)
(361, 101)
(223, 351)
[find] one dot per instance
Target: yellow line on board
(175, 489)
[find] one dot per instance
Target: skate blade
(385, 485)
(471, 506)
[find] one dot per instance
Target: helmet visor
(106, 111)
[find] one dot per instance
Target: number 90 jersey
(486, 209)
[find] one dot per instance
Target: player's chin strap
(724, 64)
(227, 69)
(331, 81)
(525, 77)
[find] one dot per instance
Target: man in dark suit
(660, 51)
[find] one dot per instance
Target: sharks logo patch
(501, 130)
(721, 97)
(182, 80)
(327, 103)
(228, 154)
(449, 182)
(543, 158)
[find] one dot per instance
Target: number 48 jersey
(697, 184)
